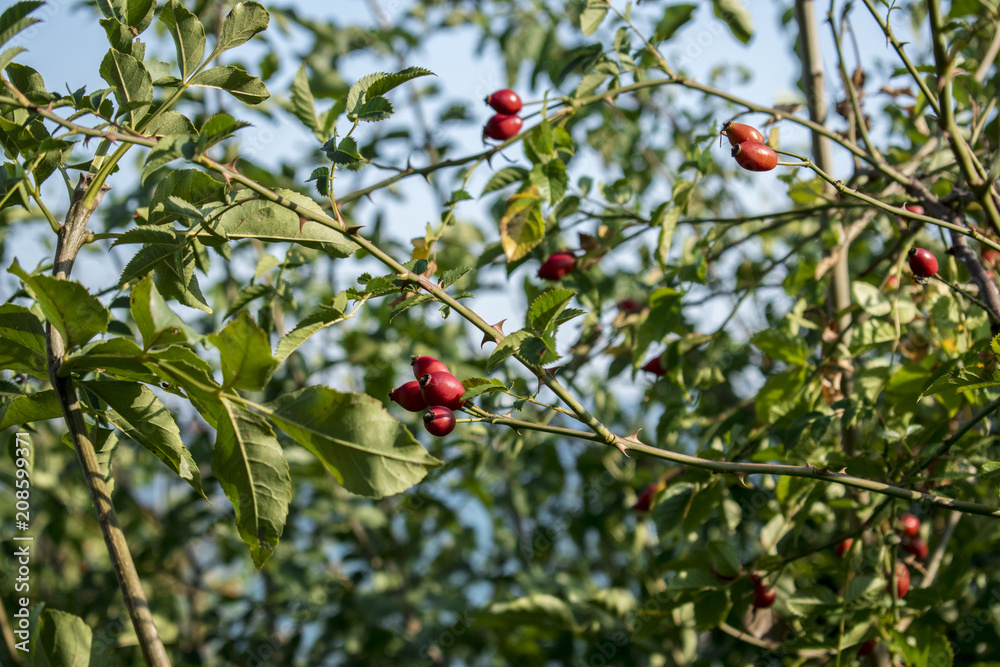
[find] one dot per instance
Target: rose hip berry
(902, 580)
(502, 127)
(737, 133)
(922, 262)
(629, 306)
(763, 596)
(442, 388)
(557, 266)
(424, 365)
(408, 396)
(655, 367)
(505, 101)
(915, 208)
(867, 647)
(645, 501)
(755, 156)
(911, 525)
(439, 421)
(843, 547)
(917, 547)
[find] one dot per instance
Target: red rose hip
(424, 365)
(645, 501)
(737, 133)
(917, 547)
(843, 547)
(439, 421)
(505, 101)
(915, 208)
(442, 388)
(922, 262)
(755, 156)
(902, 580)
(655, 367)
(557, 266)
(763, 596)
(409, 397)
(910, 523)
(866, 648)
(502, 127)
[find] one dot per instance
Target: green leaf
(508, 346)
(870, 299)
(545, 309)
(105, 445)
(165, 151)
(246, 295)
(219, 127)
(504, 177)
(7, 57)
(592, 16)
(139, 14)
(254, 217)
(410, 301)
(23, 334)
(966, 379)
(551, 180)
(376, 85)
(244, 21)
(303, 103)
(780, 345)
(234, 80)
(15, 19)
(176, 279)
(374, 110)
(311, 324)
(478, 386)
(131, 83)
(521, 227)
(923, 649)
(987, 472)
(355, 438)
(674, 17)
(182, 367)
(30, 408)
(253, 473)
(711, 609)
(120, 357)
(246, 354)
(158, 325)
(666, 219)
(67, 305)
(724, 559)
(532, 611)
(65, 639)
(863, 585)
(736, 16)
(346, 152)
(140, 415)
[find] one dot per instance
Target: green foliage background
(234, 363)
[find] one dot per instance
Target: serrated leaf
(476, 386)
(675, 16)
(15, 19)
(245, 353)
(244, 21)
(346, 152)
(375, 109)
(451, 276)
(378, 84)
(303, 102)
(145, 261)
(504, 177)
(322, 177)
(508, 346)
(410, 302)
(23, 341)
(245, 296)
(30, 408)
(140, 415)
(139, 14)
(987, 472)
(119, 357)
(861, 586)
(67, 305)
(355, 438)
(311, 324)
(7, 57)
(546, 308)
(219, 127)
(253, 473)
(521, 227)
(235, 81)
(188, 34)
(551, 180)
(131, 83)
(537, 610)
(65, 639)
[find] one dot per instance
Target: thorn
(634, 437)
(354, 231)
(487, 338)
(302, 223)
(230, 168)
(111, 136)
(622, 447)
(742, 478)
(551, 372)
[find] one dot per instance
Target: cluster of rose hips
(749, 148)
(506, 123)
(911, 543)
(435, 390)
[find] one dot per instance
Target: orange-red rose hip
(409, 397)
(557, 266)
(439, 421)
(442, 388)
(755, 156)
(424, 365)
(502, 127)
(737, 133)
(505, 101)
